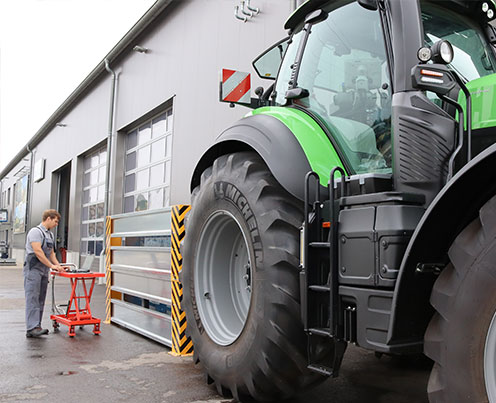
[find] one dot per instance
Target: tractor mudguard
(288, 140)
(456, 205)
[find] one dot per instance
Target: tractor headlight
(442, 52)
(424, 54)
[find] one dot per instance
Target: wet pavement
(120, 365)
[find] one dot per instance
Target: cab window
(345, 70)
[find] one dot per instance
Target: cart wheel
(81, 327)
(55, 326)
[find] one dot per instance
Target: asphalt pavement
(121, 366)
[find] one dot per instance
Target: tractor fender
(272, 140)
(455, 206)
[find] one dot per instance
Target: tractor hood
(483, 91)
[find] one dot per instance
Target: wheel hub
(223, 276)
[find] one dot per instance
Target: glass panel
(129, 185)
(167, 172)
(158, 150)
(103, 157)
(87, 163)
(92, 211)
(99, 229)
(91, 248)
(169, 120)
(141, 202)
(93, 177)
(167, 197)
(349, 85)
(91, 229)
(98, 248)
(169, 147)
(159, 125)
(157, 175)
(128, 204)
(131, 161)
(101, 174)
(84, 215)
(145, 134)
(94, 160)
(142, 179)
(473, 56)
(99, 210)
(143, 156)
(156, 199)
(86, 179)
(132, 140)
(93, 195)
(101, 192)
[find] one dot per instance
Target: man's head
(50, 218)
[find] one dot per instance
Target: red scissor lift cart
(77, 311)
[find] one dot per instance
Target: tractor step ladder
(321, 312)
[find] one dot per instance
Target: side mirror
(436, 78)
(267, 64)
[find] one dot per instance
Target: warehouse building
(126, 140)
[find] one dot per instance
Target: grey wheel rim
(222, 276)
(490, 361)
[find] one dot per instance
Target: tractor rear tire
(461, 337)
(240, 279)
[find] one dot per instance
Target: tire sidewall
(475, 307)
(221, 194)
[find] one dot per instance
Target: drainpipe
(109, 138)
(106, 208)
(29, 209)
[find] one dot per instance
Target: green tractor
(355, 203)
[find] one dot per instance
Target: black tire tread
(285, 342)
(468, 248)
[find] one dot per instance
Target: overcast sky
(47, 48)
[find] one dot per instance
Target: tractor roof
(308, 6)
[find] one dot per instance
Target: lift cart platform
(77, 311)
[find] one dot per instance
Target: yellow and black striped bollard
(181, 344)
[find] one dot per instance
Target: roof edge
(151, 15)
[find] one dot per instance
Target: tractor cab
(346, 66)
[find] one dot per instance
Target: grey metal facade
(188, 43)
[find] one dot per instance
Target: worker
(40, 258)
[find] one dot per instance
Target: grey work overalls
(36, 283)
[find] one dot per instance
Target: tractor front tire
(461, 337)
(240, 279)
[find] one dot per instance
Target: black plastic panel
(373, 239)
(423, 142)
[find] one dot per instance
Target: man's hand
(58, 268)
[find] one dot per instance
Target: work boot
(36, 332)
(43, 331)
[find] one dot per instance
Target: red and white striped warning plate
(235, 86)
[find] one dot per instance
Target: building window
(148, 165)
(92, 217)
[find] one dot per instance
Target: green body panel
(320, 152)
(483, 94)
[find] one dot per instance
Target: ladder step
(320, 369)
(323, 331)
(319, 244)
(320, 288)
